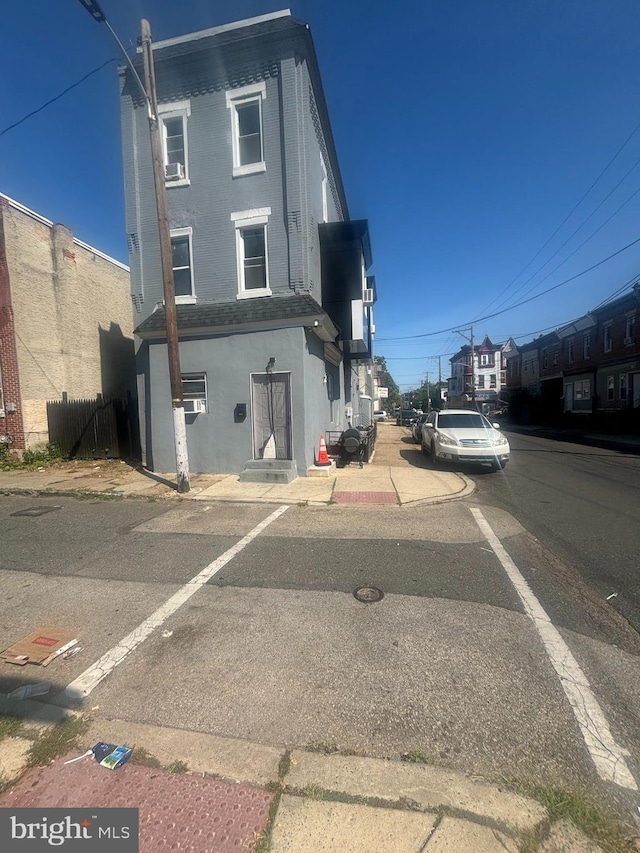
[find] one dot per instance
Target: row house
(487, 372)
(274, 298)
(591, 364)
(65, 323)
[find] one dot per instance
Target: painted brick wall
(72, 314)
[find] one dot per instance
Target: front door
(271, 413)
(635, 390)
(568, 397)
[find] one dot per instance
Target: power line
(518, 304)
(57, 97)
(567, 217)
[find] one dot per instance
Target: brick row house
(588, 367)
(274, 299)
(65, 323)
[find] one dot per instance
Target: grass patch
(9, 726)
(29, 459)
(577, 806)
(56, 741)
(143, 758)
(314, 792)
(322, 747)
(416, 756)
(178, 766)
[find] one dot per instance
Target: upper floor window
(481, 380)
(252, 252)
(607, 339)
(586, 345)
(486, 360)
(556, 355)
(173, 124)
(629, 329)
(545, 358)
(245, 105)
(570, 352)
(182, 260)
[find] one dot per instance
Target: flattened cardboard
(39, 647)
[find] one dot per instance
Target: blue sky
(467, 130)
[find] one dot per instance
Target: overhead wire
(57, 97)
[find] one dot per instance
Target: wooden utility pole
(473, 372)
(173, 351)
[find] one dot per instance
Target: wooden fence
(94, 429)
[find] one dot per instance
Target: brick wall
(12, 424)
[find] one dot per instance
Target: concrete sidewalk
(397, 475)
(209, 794)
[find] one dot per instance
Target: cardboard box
(39, 647)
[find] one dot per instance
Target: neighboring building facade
(488, 373)
(65, 323)
(274, 302)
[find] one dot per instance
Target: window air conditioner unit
(174, 171)
(195, 407)
(367, 297)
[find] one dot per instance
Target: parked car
(379, 415)
(461, 435)
(405, 417)
(416, 429)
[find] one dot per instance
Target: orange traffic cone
(323, 456)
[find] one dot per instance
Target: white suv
(461, 435)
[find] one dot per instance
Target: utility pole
(473, 365)
(173, 350)
(148, 89)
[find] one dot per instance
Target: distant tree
(387, 381)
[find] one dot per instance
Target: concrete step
(271, 464)
(269, 471)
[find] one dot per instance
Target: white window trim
(242, 95)
(177, 109)
(186, 232)
(607, 331)
(250, 219)
(195, 410)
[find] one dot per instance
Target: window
(611, 388)
(629, 329)
(182, 260)
(570, 352)
(503, 377)
(607, 337)
(545, 358)
(481, 381)
(492, 380)
(556, 355)
(486, 360)
(252, 252)
(246, 128)
(173, 125)
(194, 392)
(324, 184)
(623, 386)
(586, 345)
(582, 389)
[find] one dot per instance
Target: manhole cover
(368, 594)
(36, 510)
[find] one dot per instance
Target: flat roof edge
(222, 28)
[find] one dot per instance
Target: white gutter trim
(223, 28)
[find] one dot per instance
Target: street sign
(382, 392)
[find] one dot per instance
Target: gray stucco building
(273, 298)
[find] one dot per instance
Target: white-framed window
(481, 380)
(556, 355)
(570, 351)
(630, 329)
(175, 142)
(324, 188)
(194, 392)
(545, 358)
(611, 388)
(252, 252)
(582, 389)
(245, 105)
(624, 385)
(182, 262)
(586, 345)
(607, 337)
(503, 377)
(492, 381)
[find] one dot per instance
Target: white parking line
(91, 677)
(607, 755)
